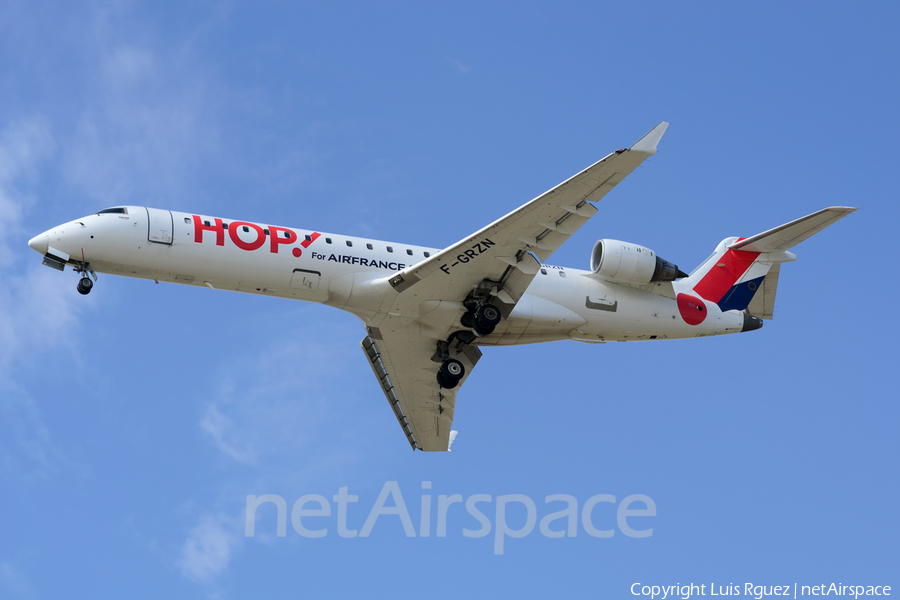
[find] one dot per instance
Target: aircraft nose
(40, 243)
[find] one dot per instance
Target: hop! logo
(254, 236)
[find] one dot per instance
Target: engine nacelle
(623, 262)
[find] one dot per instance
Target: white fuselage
(350, 273)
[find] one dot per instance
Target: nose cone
(40, 243)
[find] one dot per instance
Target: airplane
(428, 311)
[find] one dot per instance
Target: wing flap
(400, 357)
(378, 367)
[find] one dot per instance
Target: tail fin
(739, 267)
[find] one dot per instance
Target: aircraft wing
(504, 252)
(503, 258)
(401, 359)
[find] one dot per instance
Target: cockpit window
(113, 211)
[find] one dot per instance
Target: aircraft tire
(482, 331)
(84, 286)
(444, 383)
(451, 372)
(487, 316)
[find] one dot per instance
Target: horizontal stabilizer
(790, 234)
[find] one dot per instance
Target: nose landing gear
(85, 285)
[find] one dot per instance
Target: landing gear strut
(85, 285)
(481, 317)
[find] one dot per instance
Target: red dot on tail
(297, 252)
(691, 309)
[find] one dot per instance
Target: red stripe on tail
(724, 274)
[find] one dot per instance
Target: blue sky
(135, 421)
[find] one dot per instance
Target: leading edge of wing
(526, 224)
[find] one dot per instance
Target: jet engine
(623, 262)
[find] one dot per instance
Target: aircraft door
(601, 297)
(159, 226)
(304, 279)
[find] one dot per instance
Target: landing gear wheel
(482, 331)
(487, 316)
(443, 382)
(451, 372)
(85, 285)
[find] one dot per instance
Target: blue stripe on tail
(740, 294)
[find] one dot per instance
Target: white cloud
(22, 424)
(460, 68)
(207, 550)
(228, 438)
(273, 405)
(36, 312)
(14, 583)
(24, 145)
(127, 66)
(144, 129)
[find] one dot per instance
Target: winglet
(647, 144)
(453, 434)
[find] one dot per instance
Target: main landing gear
(482, 318)
(85, 285)
(452, 371)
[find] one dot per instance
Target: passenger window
(187, 221)
(349, 243)
(408, 251)
(309, 239)
(427, 254)
(369, 246)
(266, 231)
(327, 240)
(287, 235)
(562, 273)
(206, 223)
(224, 225)
(246, 229)
(543, 271)
(390, 249)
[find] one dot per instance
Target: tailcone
(751, 322)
